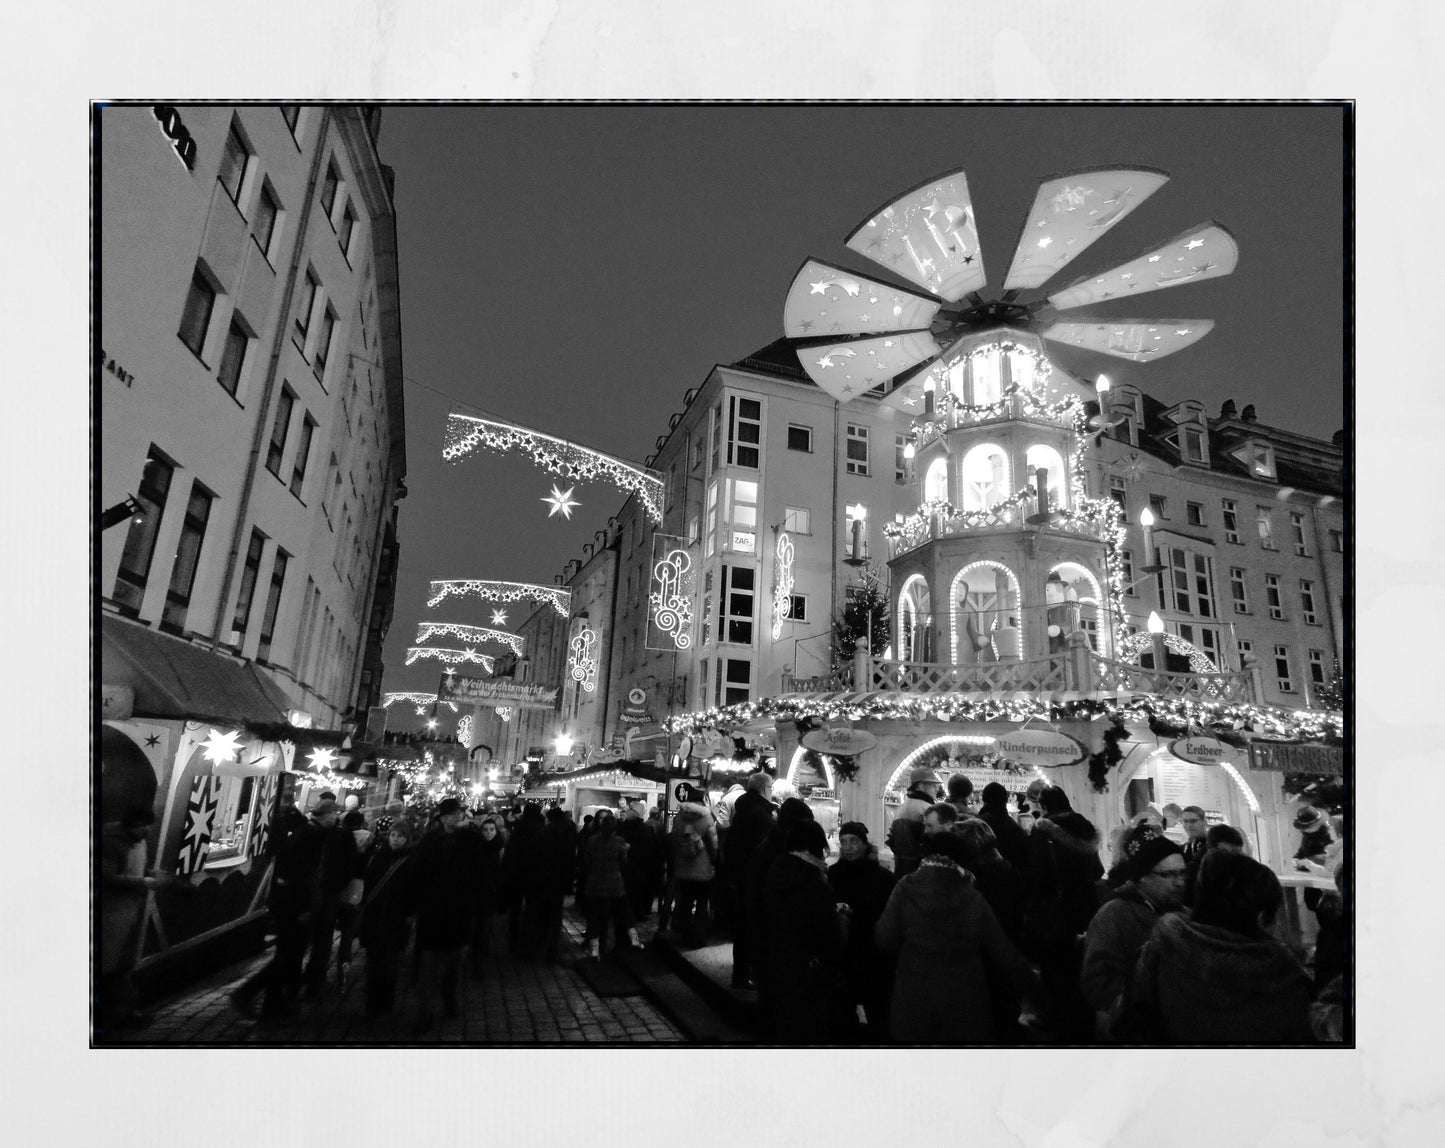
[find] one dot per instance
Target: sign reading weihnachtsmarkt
(1287, 757)
(473, 691)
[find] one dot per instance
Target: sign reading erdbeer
(1200, 750)
(1041, 747)
(476, 691)
(1287, 757)
(840, 741)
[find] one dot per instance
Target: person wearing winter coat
(603, 889)
(752, 821)
(792, 811)
(805, 956)
(353, 822)
(694, 851)
(640, 869)
(905, 834)
(488, 852)
(340, 862)
(861, 883)
(950, 949)
(444, 891)
(559, 865)
(1218, 976)
(523, 881)
(1149, 879)
(1002, 886)
(1012, 839)
(384, 924)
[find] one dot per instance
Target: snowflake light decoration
(566, 459)
(452, 657)
(559, 599)
(428, 630)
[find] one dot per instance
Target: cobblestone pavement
(516, 1002)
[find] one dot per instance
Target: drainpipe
(258, 438)
(833, 540)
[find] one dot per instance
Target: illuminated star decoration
(561, 501)
(321, 758)
(221, 747)
(560, 599)
(466, 433)
(499, 617)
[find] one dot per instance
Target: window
(343, 236)
(1231, 522)
(1317, 668)
(900, 462)
(798, 607)
(188, 556)
(736, 623)
(711, 542)
(984, 368)
(233, 357)
(1046, 458)
(716, 433)
(234, 157)
(273, 603)
(140, 539)
(196, 315)
(1297, 531)
(280, 429)
(797, 520)
(739, 678)
(1246, 648)
(1307, 602)
(1123, 430)
(1159, 505)
(857, 450)
(323, 341)
(935, 481)
(1266, 527)
(1192, 579)
(310, 293)
(1259, 457)
(1272, 598)
(745, 431)
(856, 517)
(707, 609)
(263, 228)
(984, 473)
(1191, 444)
(1237, 590)
(303, 449)
(1337, 541)
(1284, 679)
(328, 189)
(1194, 513)
(1119, 493)
(249, 573)
(1126, 560)
(743, 514)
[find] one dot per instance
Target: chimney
(1248, 414)
(1228, 410)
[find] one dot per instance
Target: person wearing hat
(905, 834)
(1149, 880)
(861, 883)
(1314, 830)
(385, 912)
(444, 880)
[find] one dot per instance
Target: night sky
(577, 269)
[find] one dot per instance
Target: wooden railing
(938, 677)
(822, 684)
(1112, 675)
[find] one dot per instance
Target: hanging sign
(1200, 750)
(490, 692)
(680, 789)
(1287, 757)
(840, 741)
(670, 594)
(1041, 747)
(633, 708)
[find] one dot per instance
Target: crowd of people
(990, 927)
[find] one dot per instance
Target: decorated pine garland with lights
(568, 460)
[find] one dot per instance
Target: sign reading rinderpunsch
(473, 691)
(1040, 747)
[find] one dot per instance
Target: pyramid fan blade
(929, 237)
(826, 300)
(1141, 340)
(847, 370)
(1069, 213)
(1204, 252)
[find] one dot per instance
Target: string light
(504, 712)
(561, 457)
(428, 630)
(783, 592)
(1135, 644)
(670, 596)
(422, 701)
(582, 661)
(464, 730)
(467, 656)
(559, 599)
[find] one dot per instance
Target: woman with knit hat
(1149, 878)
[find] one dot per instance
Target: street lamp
(564, 745)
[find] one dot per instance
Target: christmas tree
(866, 606)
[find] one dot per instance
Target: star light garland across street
(427, 630)
(558, 456)
(1271, 721)
(453, 657)
(559, 599)
(416, 699)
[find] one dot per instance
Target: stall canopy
(173, 678)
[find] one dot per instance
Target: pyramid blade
(827, 300)
(1203, 252)
(928, 236)
(847, 370)
(1142, 340)
(1069, 213)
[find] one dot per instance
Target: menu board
(1185, 783)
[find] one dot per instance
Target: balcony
(919, 528)
(1048, 673)
(1018, 407)
(1111, 675)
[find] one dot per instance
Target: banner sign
(633, 708)
(840, 741)
(1200, 750)
(474, 691)
(1286, 757)
(670, 594)
(1041, 747)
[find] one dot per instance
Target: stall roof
(1051, 697)
(173, 678)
